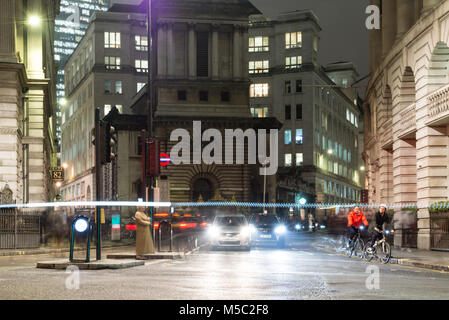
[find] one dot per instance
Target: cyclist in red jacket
(355, 220)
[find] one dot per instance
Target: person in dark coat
(380, 218)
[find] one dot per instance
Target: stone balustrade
(438, 106)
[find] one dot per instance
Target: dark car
(267, 229)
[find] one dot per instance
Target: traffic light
(110, 142)
(152, 157)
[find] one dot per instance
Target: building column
(162, 49)
(433, 172)
(428, 4)
(7, 32)
(244, 47)
(192, 50)
(35, 44)
(215, 62)
(170, 51)
(375, 43)
(405, 16)
(236, 53)
(418, 9)
(386, 176)
(388, 25)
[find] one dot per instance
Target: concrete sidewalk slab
(159, 255)
(93, 265)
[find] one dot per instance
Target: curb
(47, 251)
(403, 262)
(100, 265)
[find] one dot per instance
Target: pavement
(299, 271)
(433, 260)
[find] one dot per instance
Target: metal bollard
(171, 237)
(159, 242)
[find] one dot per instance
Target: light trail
(322, 206)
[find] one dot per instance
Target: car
(229, 231)
(267, 229)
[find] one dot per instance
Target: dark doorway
(204, 188)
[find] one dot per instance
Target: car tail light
(203, 224)
(187, 215)
(130, 227)
(187, 225)
(161, 214)
(156, 225)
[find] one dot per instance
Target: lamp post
(265, 163)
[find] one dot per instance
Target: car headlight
(252, 228)
(213, 232)
(280, 229)
(245, 231)
(322, 227)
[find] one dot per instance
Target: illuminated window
(107, 109)
(293, 40)
(119, 108)
(299, 159)
(112, 63)
(258, 66)
(287, 137)
(259, 112)
(257, 44)
(140, 85)
(299, 136)
(118, 87)
(112, 39)
(293, 62)
(259, 90)
(288, 159)
(141, 65)
(141, 43)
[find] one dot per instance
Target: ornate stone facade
(406, 114)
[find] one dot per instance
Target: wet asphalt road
(298, 272)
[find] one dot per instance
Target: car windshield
(264, 219)
(230, 221)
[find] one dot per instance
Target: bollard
(171, 237)
(159, 242)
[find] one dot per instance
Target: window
(112, 39)
(260, 112)
(257, 44)
(261, 66)
(288, 87)
(348, 115)
(287, 137)
(141, 43)
(141, 65)
(299, 159)
(119, 108)
(107, 86)
(298, 136)
(293, 40)
(107, 109)
(202, 54)
(182, 95)
(315, 43)
(225, 96)
(118, 87)
(140, 85)
(112, 63)
(288, 159)
(298, 85)
(204, 95)
(299, 112)
(259, 90)
(293, 62)
(288, 112)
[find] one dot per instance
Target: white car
(230, 230)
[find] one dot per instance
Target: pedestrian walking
(144, 243)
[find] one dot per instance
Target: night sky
(344, 36)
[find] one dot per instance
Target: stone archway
(204, 185)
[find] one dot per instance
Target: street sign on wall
(57, 174)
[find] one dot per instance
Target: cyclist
(380, 218)
(355, 220)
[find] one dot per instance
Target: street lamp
(65, 165)
(34, 20)
(330, 151)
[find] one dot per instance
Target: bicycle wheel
(358, 249)
(383, 252)
(368, 256)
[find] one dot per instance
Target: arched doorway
(203, 187)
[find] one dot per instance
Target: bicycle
(356, 247)
(381, 250)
